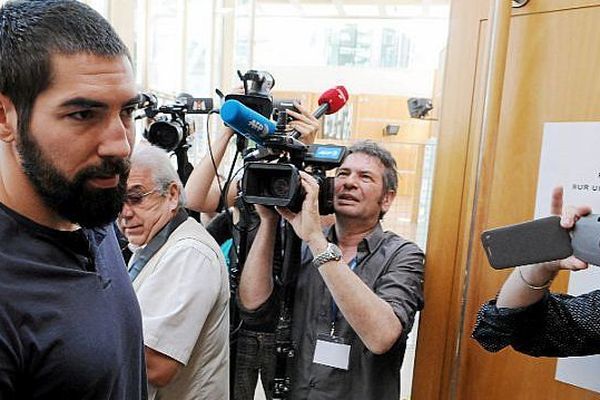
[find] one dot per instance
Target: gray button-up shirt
(393, 268)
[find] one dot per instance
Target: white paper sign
(571, 158)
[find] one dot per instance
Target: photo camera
(170, 129)
(257, 91)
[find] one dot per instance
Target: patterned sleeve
(557, 326)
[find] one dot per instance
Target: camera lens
(280, 187)
(166, 134)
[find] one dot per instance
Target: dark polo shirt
(393, 268)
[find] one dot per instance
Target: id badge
(332, 351)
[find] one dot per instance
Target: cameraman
(534, 321)
(359, 298)
(255, 344)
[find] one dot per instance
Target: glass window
(99, 5)
(369, 43)
(197, 62)
(165, 50)
(179, 42)
(242, 40)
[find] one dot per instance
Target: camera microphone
(246, 121)
(330, 102)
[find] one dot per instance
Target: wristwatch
(331, 253)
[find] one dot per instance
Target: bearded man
(70, 325)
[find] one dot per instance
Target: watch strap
(331, 253)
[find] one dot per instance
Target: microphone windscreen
(336, 98)
(246, 121)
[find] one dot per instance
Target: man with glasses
(179, 275)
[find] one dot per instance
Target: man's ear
(8, 119)
(173, 196)
(387, 200)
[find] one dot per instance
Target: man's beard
(73, 199)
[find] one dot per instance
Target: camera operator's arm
(523, 286)
(256, 282)
(372, 318)
(201, 190)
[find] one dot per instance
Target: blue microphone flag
(246, 121)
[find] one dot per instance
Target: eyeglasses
(135, 198)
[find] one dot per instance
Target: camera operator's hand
(305, 123)
(307, 223)
(266, 214)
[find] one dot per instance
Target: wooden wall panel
(443, 277)
(550, 76)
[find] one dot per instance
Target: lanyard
(334, 307)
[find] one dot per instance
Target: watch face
(335, 251)
(331, 253)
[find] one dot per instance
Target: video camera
(271, 171)
(170, 129)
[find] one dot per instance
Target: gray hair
(159, 163)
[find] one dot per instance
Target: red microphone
(330, 102)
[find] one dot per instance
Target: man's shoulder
(192, 229)
(393, 240)
(194, 238)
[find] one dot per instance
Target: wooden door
(552, 74)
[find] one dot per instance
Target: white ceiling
(354, 8)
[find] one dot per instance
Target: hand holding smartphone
(542, 240)
(525, 243)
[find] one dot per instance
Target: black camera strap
(141, 258)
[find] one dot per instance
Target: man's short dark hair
(32, 31)
(370, 148)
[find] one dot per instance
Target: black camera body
(257, 91)
(170, 128)
(278, 184)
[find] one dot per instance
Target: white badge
(331, 353)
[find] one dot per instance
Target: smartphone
(529, 242)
